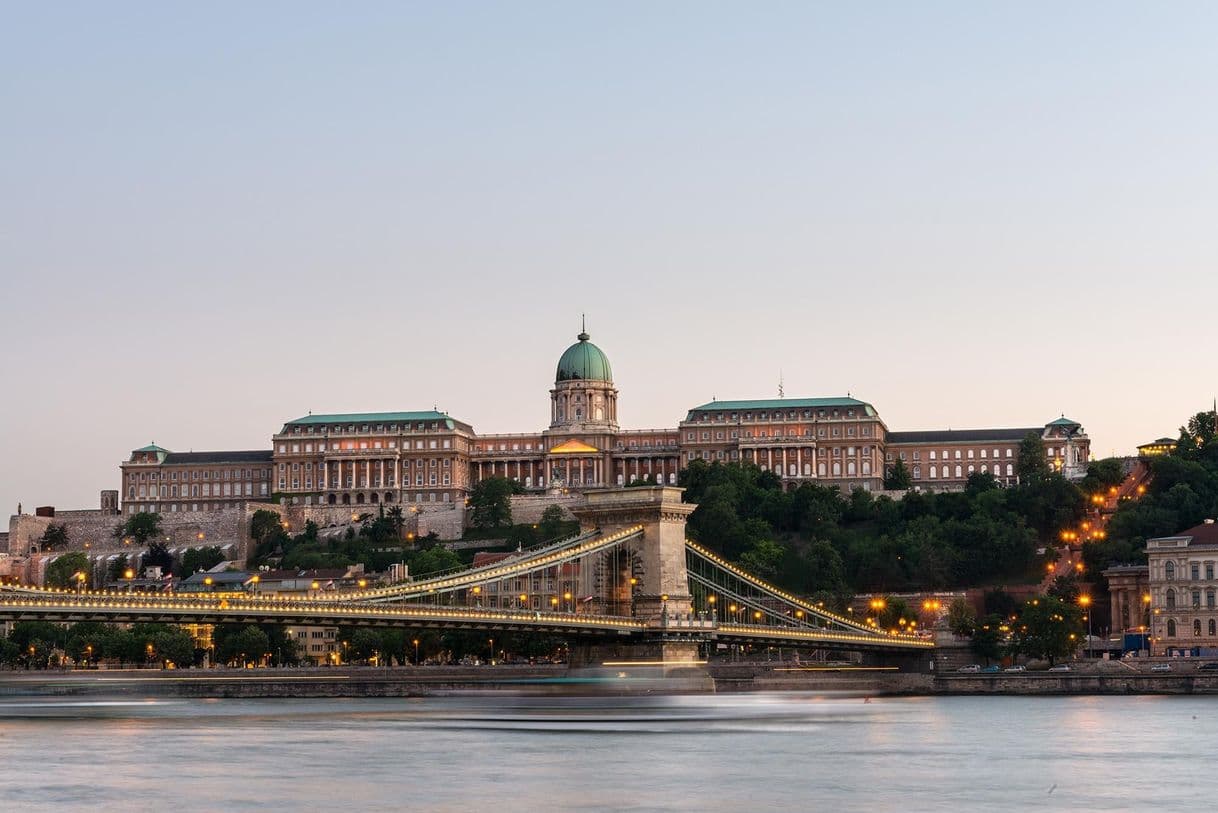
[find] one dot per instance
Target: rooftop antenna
(780, 393)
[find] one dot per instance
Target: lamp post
(1146, 605)
(1084, 601)
(416, 651)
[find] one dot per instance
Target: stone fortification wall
(94, 530)
(446, 519)
(529, 507)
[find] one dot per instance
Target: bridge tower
(652, 584)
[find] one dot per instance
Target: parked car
(1061, 667)
(993, 667)
(972, 667)
(1212, 666)
(1016, 668)
(1161, 667)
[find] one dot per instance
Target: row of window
(350, 482)
(308, 466)
(983, 454)
(362, 428)
(1212, 628)
(226, 474)
(174, 508)
(1194, 570)
(960, 471)
(821, 432)
(1196, 597)
(196, 490)
(352, 445)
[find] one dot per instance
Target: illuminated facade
(430, 457)
(1183, 609)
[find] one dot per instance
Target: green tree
(961, 618)
(1031, 464)
(763, 559)
(241, 645)
(141, 527)
(196, 559)
(897, 477)
(894, 612)
(117, 569)
(157, 555)
(62, 572)
(1047, 628)
(552, 522)
(55, 537)
(436, 559)
(490, 502)
(987, 638)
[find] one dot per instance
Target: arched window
(820, 469)
(1171, 628)
(1171, 598)
(1169, 571)
(850, 468)
(1196, 627)
(1213, 628)
(837, 469)
(934, 472)
(959, 472)
(1010, 469)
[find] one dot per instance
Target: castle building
(429, 457)
(158, 480)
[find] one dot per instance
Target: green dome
(583, 361)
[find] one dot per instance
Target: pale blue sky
(217, 217)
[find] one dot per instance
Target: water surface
(705, 753)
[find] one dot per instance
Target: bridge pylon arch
(651, 580)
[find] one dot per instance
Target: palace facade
(429, 457)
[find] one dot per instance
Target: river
(745, 752)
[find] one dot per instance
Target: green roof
(374, 417)
(1063, 421)
(583, 361)
(787, 403)
(151, 447)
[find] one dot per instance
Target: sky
(217, 217)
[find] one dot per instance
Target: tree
(157, 555)
(196, 559)
(490, 501)
(62, 572)
(241, 645)
(961, 618)
(436, 559)
(1047, 628)
(894, 612)
(117, 569)
(897, 477)
(763, 559)
(987, 638)
(55, 537)
(1031, 464)
(264, 524)
(141, 527)
(552, 522)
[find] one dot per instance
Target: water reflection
(648, 752)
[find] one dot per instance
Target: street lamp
(1084, 601)
(1146, 606)
(416, 651)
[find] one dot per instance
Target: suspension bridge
(629, 587)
